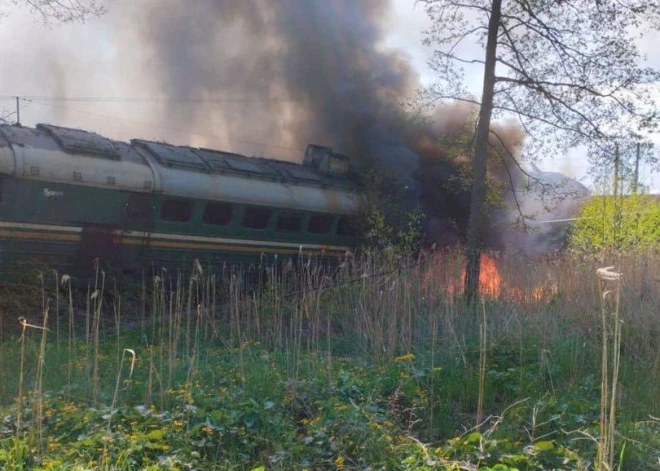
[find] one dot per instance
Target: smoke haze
(335, 85)
(274, 76)
(313, 70)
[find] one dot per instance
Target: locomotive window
(347, 226)
(218, 213)
(289, 222)
(256, 218)
(139, 207)
(176, 210)
(320, 223)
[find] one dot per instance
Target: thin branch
(455, 4)
(521, 216)
(459, 59)
(463, 36)
(451, 97)
(576, 86)
(515, 161)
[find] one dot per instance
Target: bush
(605, 222)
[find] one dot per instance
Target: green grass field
(375, 369)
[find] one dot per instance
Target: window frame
(230, 221)
(330, 231)
(292, 214)
(258, 208)
(188, 201)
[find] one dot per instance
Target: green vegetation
(374, 371)
(606, 222)
(388, 221)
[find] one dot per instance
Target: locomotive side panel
(59, 226)
(69, 197)
(185, 229)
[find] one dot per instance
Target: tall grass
(546, 329)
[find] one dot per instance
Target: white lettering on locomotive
(48, 193)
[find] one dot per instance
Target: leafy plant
(607, 222)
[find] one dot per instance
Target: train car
(69, 197)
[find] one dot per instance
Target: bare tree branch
(64, 11)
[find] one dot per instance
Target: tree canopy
(570, 72)
(608, 222)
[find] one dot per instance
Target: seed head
(607, 274)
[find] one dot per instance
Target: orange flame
(490, 282)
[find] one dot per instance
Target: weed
(361, 366)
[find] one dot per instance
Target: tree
(61, 11)
(605, 223)
(570, 71)
(389, 223)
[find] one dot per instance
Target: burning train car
(546, 202)
(69, 197)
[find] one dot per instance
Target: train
(72, 200)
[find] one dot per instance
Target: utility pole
(18, 111)
(617, 198)
(636, 176)
(636, 184)
(616, 170)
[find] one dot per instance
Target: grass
(372, 367)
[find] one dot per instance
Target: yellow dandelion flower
(339, 462)
(406, 357)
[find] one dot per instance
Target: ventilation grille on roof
(82, 142)
(235, 163)
(173, 156)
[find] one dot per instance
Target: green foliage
(356, 376)
(357, 417)
(492, 454)
(626, 223)
(391, 220)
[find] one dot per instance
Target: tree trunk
(475, 225)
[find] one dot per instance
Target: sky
(96, 59)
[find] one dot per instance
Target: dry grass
(547, 311)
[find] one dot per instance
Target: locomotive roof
(58, 154)
(72, 141)
(184, 158)
(217, 161)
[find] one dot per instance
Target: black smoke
(291, 72)
(310, 72)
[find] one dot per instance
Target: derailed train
(69, 197)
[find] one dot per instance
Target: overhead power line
(156, 100)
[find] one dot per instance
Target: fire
(491, 283)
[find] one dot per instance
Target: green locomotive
(69, 197)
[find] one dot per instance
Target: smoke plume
(268, 77)
(313, 72)
(308, 71)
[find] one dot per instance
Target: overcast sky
(97, 59)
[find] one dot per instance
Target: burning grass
(491, 283)
(352, 370)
